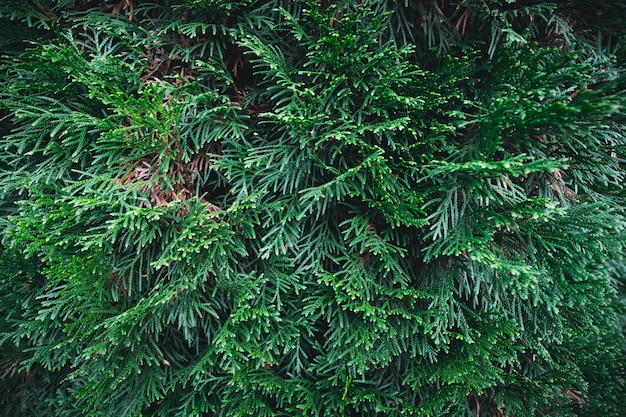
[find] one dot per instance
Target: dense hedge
(312, 208)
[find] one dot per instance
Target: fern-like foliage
(312, 208)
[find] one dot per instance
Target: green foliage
(307, 208)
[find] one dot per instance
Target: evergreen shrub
(312, 208)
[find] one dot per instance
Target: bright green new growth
(300, 208)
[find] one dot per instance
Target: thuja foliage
(312, 208)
